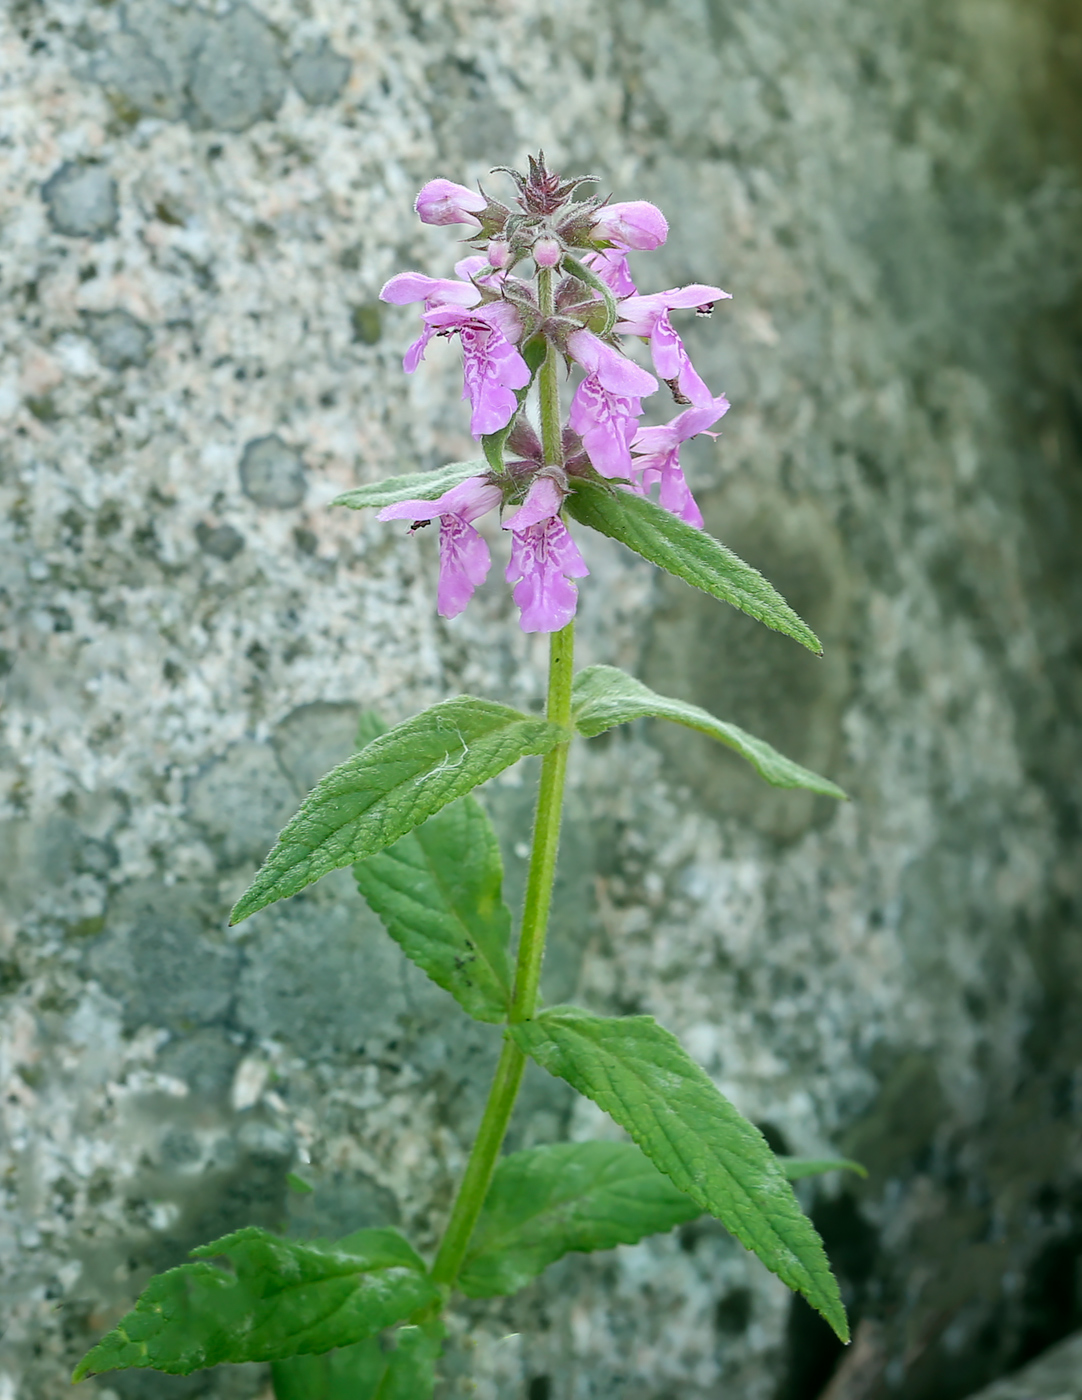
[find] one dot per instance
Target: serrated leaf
(576, 1196)
(602, 696)
(795, 1168)
(366, 1371)
(392, 785)
(422, 486)
(438, 893)
(640, 1074)
(281, 1299)
(690, 554)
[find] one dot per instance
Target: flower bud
(635, 224)
(499, 253)
(547, 252)
(444, 202)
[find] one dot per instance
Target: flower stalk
(531, 953)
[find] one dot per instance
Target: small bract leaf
(438, 892)
(548, 1201)
(282, 1299)
(641, 1075)
(366, 1371)
(603, 696)
(690, 554)
(392, 785)
(797, 1167)
(422, 486)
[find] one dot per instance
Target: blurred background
(199, 206)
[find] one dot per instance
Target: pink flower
(464, 556)
(614, 371)
(634, 224)
(433, 291)
(491, 365)
(444, 202)
(649, 316)
(547, 252)
(606, 423)
(657, 457)
(610, 264)
(544, 560)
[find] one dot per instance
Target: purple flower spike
(657, 458)
(491, 366)
(649, 317)
(464, 556)
(634, 224)
(613, 369)
(444, 202)
(606, 423)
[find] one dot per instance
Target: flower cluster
(578, 304)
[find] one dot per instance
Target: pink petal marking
(614, 370)
(544, 558)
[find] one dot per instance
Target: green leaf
(438, 892)
(641, 1075)
(282, 1299)
(548, 1201)
(690, 554)
(369, 726)
(298, 1184)
(365, 1371)
(602, 696)
(421, 486)
(392, 785)
(797, 1167)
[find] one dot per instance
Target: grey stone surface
(215, 68)
(82, 200)
(319, 74)
(120, 340)
(892, 192)
(1055, 1375)
(271, 473)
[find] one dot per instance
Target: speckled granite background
(199, 207)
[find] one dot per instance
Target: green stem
(531, 951)
(535, 912)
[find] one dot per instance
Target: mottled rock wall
(199, 207)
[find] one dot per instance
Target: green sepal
(281, 1299)
(603, 696)
(438, 893)
(640, 1074)
(796, 1168)
(574, 1196)
(587, 275)
(367, 1370)
(693, 555)
(422, 486)
(392, 785)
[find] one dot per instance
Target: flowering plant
(425, 857)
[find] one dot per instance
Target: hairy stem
(531, 951)
(535, 913)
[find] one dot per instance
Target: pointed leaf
(603, 696)
(365, 1371)
(548, 1201)
(392, 785)
(438, 892)
(282, 1299)
(690, 554)
(422, 486)
(641, 1075)
(797, 1167)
